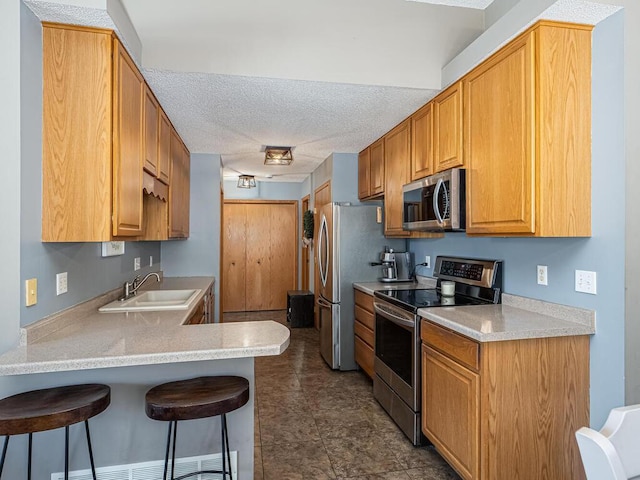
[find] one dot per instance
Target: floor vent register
(154, 470)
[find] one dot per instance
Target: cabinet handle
(233, 264)
(258, 262)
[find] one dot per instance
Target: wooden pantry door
(260, 254)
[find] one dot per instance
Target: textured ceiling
(236, 115)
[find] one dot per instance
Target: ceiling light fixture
(278, 156)
(246, 181)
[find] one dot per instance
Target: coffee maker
(396, 266)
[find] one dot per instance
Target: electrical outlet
(151, 260)
(427, 261)
(31, 291)
(586, 282)
(61, 283)
(136, 263)
(542, 275)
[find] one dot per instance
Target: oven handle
(389, 315)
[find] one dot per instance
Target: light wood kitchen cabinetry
(422, 142)
(102, 128)
(203, 313)
(397, 144)
(164, 148)
(364, 174)
(364, 328)
(448, 131)
(528, 136)
(505, 409)
(179, 188)
(371, 171)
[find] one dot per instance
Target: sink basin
(154, 300)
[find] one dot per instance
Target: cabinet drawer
(364, 356)
(364, 317)
(458, 347)
(364, 300)
(364, 333)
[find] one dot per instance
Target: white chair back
(613, 453)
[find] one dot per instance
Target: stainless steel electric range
(396, 384)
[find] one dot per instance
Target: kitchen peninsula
(131, 352)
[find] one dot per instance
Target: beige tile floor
(313, 423)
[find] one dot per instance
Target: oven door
(397, 343)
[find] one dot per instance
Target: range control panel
(485, 273)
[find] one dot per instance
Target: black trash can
(300, 308)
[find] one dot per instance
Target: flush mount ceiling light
(246, 181)
(278, 156)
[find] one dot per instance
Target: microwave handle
(436, 193)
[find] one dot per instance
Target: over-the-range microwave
(435, 203)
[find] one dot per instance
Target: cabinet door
(422, 142)
(364, 173)
(450, 411)
(499, 129)
(447, 112)
(76, 126)
(396, 161)
(127, 145)
(377, 172)
(164, 147)
(151, 110)
(234, 257)
(179, 189)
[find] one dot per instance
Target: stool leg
(4, 453)
(30, 450)
(93, 466)
(166, 456)
(226, 436)
(66, 452)
(173, 453)
(223, 436)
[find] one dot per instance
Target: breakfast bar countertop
(88, 339)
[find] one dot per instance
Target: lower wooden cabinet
(204, 311)
(506, 409)
(364, 328)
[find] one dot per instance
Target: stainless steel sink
(154, 300)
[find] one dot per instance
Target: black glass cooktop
(422, 298)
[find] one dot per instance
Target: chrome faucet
(130, 289)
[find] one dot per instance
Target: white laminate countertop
(517, 318)
(102, 340)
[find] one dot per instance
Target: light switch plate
(111, 249)
(586, 282)
(31, 291)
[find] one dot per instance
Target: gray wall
(10, 178)
(496, 10)
(89, 275)
(200, 253)
(603, 252)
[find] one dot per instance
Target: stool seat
(196, 398)
(51, 408)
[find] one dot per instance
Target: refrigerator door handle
(323, 303)
(323, 242)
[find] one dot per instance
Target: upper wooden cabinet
(91, 136)
(102, 127)
(527, 136)
(422, 142)
(128, 144)
(397, 144)
(179, 188)
(371, 171)
(448, 134)
(364, 173)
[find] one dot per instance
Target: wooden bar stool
(197, 398)
(51, 408)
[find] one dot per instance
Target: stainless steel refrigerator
(349, 239)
